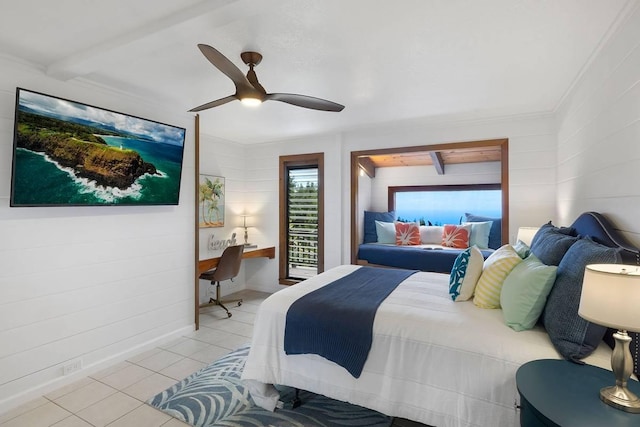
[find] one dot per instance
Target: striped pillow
(496, 268)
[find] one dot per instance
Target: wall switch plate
(72, 366)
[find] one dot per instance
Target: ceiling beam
(98, 55)
(438, 163)
(367, 166)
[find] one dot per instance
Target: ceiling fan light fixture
(249, 90)
(251, 102)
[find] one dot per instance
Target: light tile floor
(115, 396)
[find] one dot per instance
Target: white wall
(599, 136)
(94, 283)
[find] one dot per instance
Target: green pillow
(524, 292)
(522, 249)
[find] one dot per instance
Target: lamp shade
(525, 234)
(246, 220)
(611, 296)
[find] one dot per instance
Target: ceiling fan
(249, 91)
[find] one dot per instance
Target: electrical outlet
(72, 366)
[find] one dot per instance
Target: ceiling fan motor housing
(251, 58)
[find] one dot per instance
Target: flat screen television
(66, 153)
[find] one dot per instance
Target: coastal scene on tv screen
(69, 153)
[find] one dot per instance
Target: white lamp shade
(611, 296)
(525, 234)
(245, 220)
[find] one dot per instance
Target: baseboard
(49, 386)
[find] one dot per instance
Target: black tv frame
(145, 169)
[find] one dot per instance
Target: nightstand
(561, 393)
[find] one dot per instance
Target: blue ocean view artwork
(447, 207)
(67, 153)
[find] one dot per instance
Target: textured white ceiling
(384, 60)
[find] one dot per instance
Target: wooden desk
(209, 263)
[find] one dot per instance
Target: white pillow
(479, 233)
(431, 234)
(465, 273)
(386, 232)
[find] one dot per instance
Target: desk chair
(227, 269)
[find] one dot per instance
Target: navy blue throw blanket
(336, 321)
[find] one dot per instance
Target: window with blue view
(439, 205)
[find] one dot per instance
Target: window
(301, 217)
(445, 204)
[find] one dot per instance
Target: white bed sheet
(432, 360)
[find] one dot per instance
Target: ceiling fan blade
(227, 67)
(305, 101)
(214, 103)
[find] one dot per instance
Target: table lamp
(245, 225)
(611, 297)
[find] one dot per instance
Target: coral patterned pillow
(407, 233)
(456, 236)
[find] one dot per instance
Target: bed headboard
(599, 228)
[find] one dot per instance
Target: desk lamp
(246, 233)
(610, 297)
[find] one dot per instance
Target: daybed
(432, 360)
(434, 258)
(427, 254)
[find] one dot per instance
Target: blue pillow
(574, 337)
(370, 218)
(551, 243)
(495, 234)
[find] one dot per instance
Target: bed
(432, 360)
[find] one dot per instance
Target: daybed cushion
(412, 257)
(551, 243)
(370, 235)
(456, 236)
(524, 292)
(574, 337)
(386, 232)
(495, 270)
(495, 235)
(479, 233)
(465, 273)
(407, 233)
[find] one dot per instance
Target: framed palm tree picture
(211, 192)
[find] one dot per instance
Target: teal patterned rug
(215, 396)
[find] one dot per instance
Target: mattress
(433, 258)
(432, 360)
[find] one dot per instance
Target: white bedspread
(432, 360)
